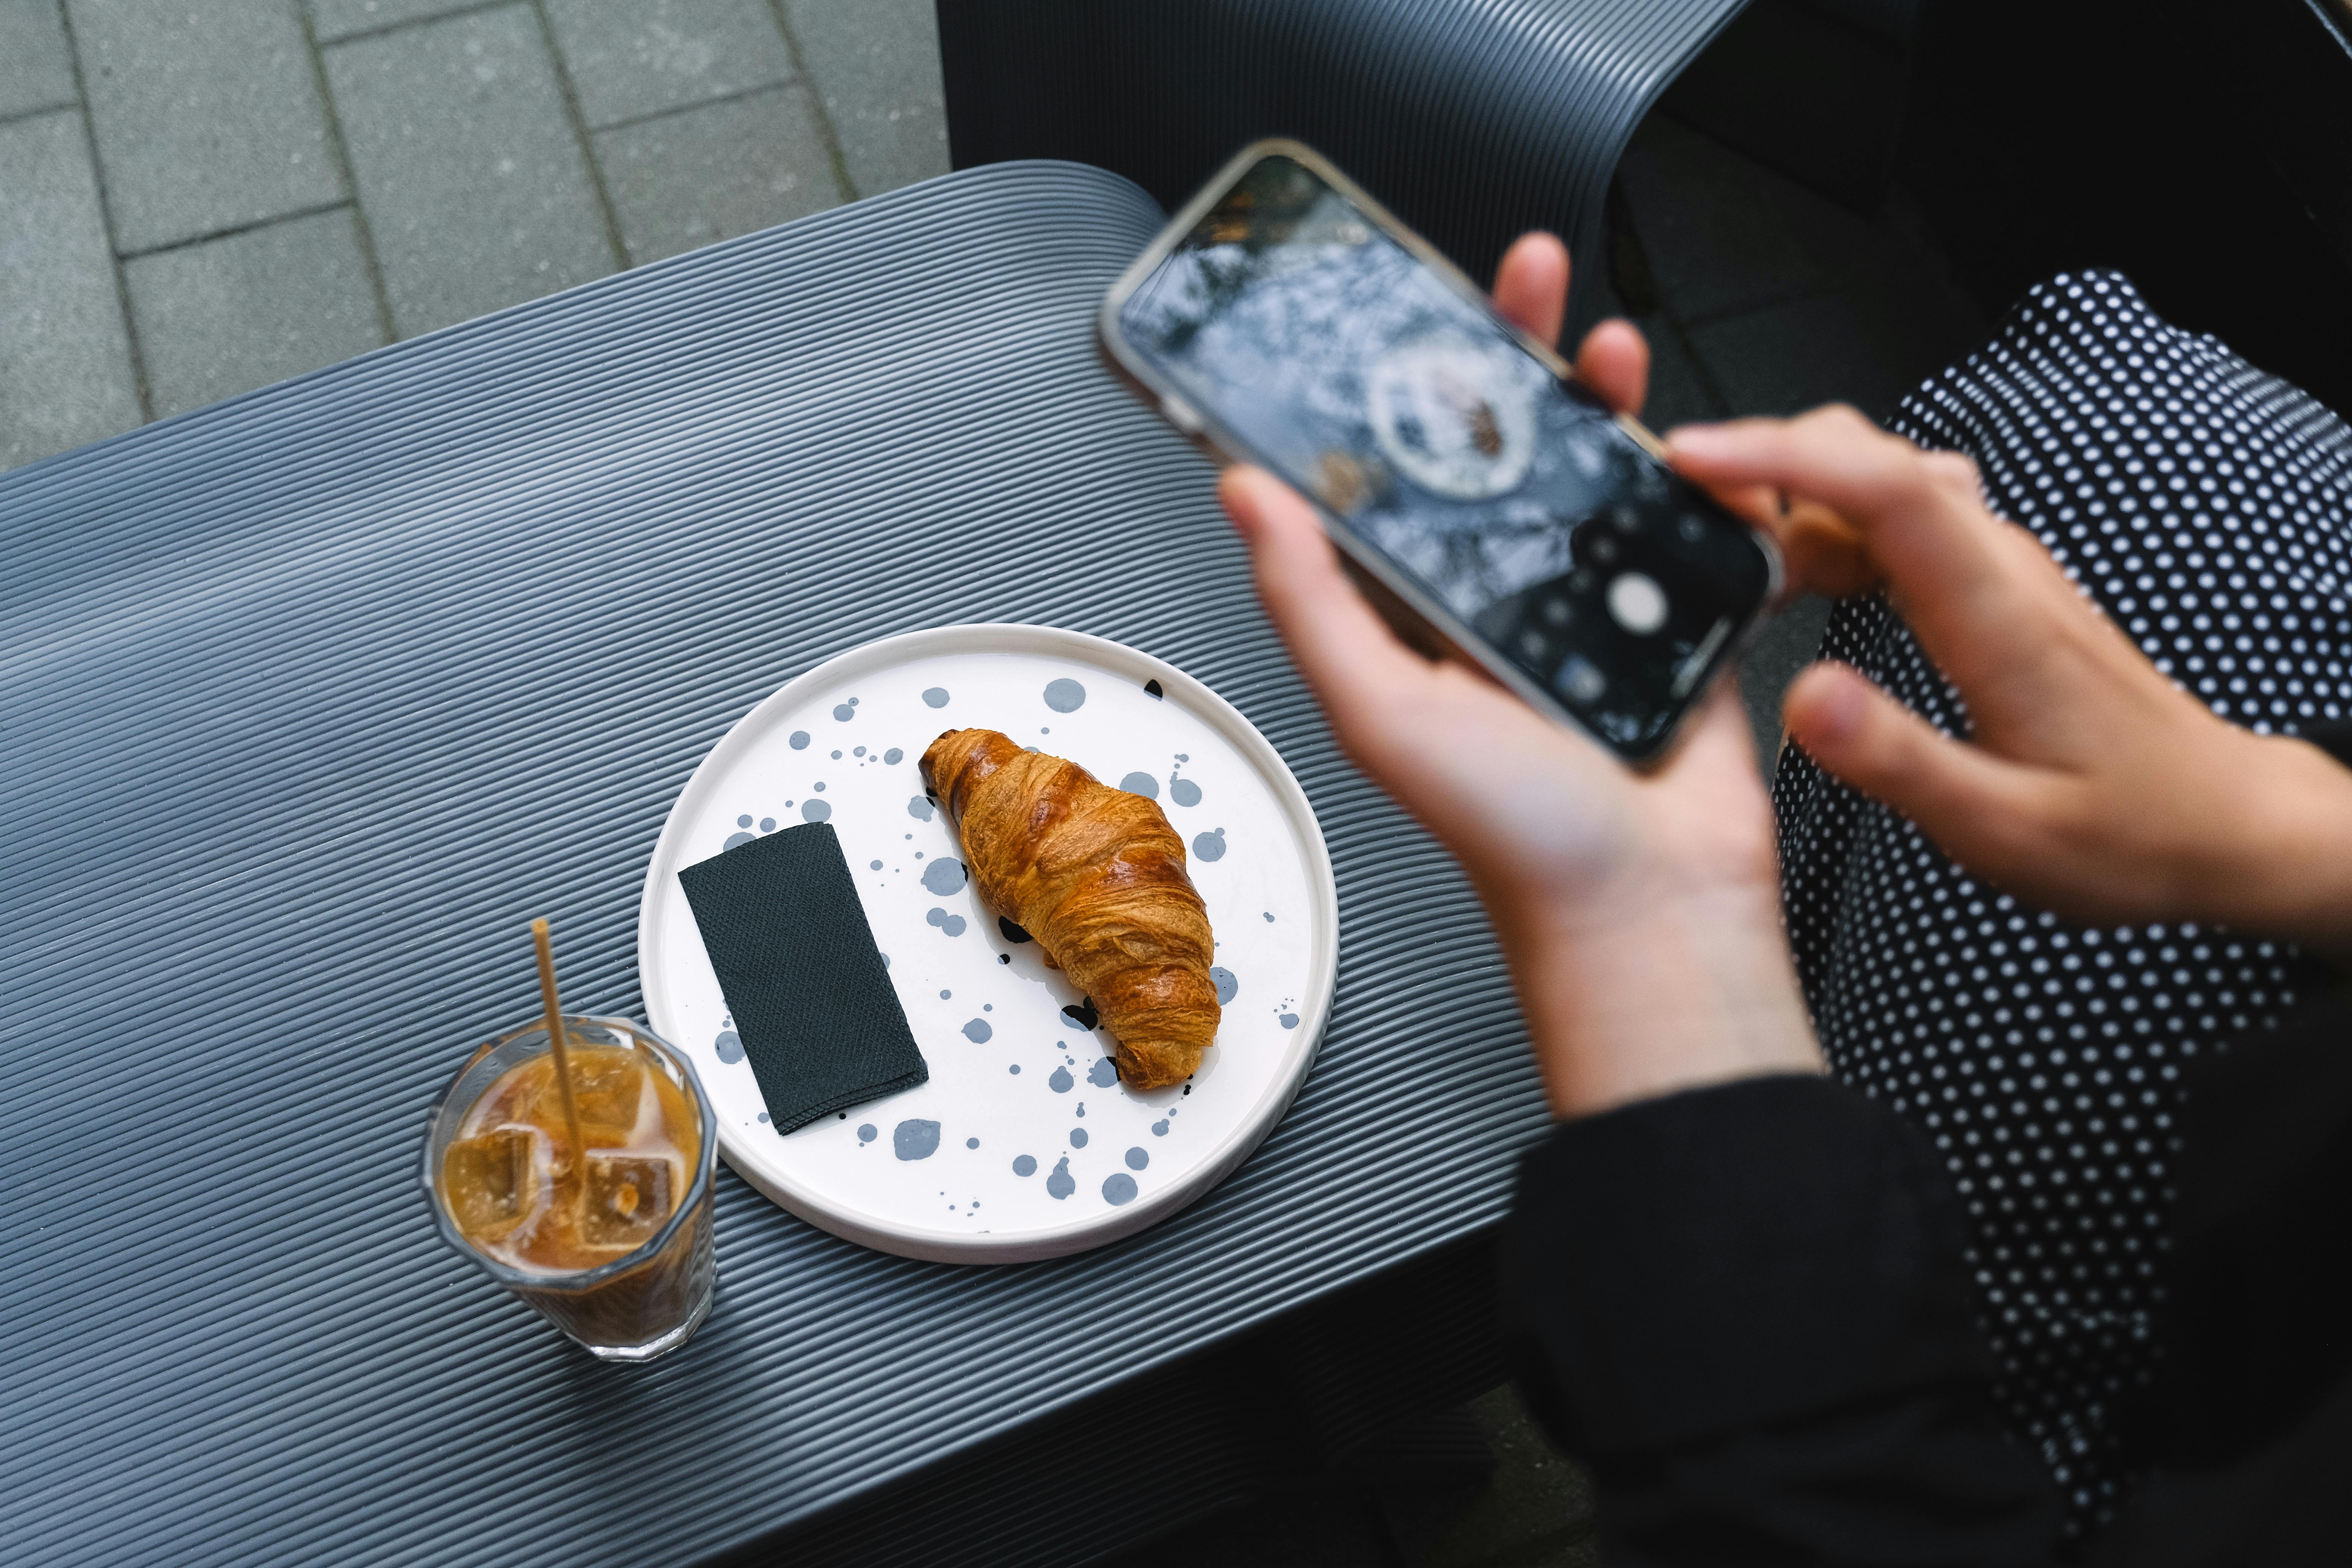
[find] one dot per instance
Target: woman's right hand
(2091, 785)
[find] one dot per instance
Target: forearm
(1626, 1000)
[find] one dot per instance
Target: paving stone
(1723, 233)
(206, 114)
(334, 19)
(876, 65)
(35, 70)
(1679, 393)
(65, 357)
(228, 315)
(709, 173)
(1849, 347)
(1538, 1509)
(634, 59)
(474, 185)
(1782, 646)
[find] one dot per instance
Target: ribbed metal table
(313, 698)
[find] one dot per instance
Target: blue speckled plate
(1024, 1144)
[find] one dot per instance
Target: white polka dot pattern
(2207, 508)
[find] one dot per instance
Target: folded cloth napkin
(810, 991)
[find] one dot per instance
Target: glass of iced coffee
(607, 1238)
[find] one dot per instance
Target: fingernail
(1832, 704)
(1236, 490)
(1694, 441)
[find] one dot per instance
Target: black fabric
(2333, 737)
(810, 992)
(1735, 1255)
(2206, 508)
(2287, 1505)
(1741, 1397)
(1924, 1479)
(1745, 1305)
(2258, 1318)
(2075, 1084)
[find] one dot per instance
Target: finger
(1820, 553)
(1717, 734)
(1823, 552)
(1833, 454)
(1347, 652)
(1972, 804)
(1903, 506)
(1531, 285)
(1615, 361)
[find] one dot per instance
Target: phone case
(1422, 622)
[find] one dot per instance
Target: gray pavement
(198, 197)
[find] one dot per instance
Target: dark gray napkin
(810, 991)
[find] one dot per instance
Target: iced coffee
(609, 1235)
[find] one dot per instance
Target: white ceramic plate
(1024, 1144)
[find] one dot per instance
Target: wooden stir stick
(555, 1035)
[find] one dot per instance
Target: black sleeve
(1744, 1307)
(2254, 1320)
(2333, 736)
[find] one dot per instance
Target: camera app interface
(1510, 495)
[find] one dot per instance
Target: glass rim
(575, 1279)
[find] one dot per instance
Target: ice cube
(492, 1182)
(608, 1087)
(625, 1197)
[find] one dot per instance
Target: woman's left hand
(1640, 913)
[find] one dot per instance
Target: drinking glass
(637, 1306)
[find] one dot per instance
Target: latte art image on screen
(1454, 417)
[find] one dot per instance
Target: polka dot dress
(2207, 508)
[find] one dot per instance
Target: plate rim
(1077, 1235)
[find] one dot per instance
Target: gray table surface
(313, 699)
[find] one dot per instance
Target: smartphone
(1490, 505)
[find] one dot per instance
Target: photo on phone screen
(1512, 501)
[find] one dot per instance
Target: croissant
(1097, 875)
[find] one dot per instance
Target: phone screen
(1511, 497)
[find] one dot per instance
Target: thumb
(1966, 800)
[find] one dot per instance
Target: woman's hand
(2091, 785)
(1640, 914)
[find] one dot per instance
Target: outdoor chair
(1474, 120)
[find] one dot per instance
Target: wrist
(1656, 995)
